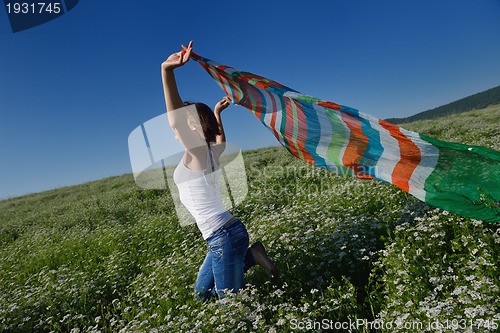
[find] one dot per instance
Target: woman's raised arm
(219, 107)
(172, 98)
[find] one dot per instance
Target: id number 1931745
(33, 7)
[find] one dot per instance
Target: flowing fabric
(459, 178)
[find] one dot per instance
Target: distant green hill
(476, 101)
(476, 127)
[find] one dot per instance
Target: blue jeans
(228, 258)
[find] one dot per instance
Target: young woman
(197, 177)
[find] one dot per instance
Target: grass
(108, 256)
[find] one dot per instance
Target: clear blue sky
(73, 89)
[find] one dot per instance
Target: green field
(107, 256)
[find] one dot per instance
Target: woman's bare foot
(261, 258)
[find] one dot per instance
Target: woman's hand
(178, 59)
(222, 105)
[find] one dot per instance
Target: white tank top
(199, 192)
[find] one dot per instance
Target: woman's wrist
(167, 68)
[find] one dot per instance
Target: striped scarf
(459, 178)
